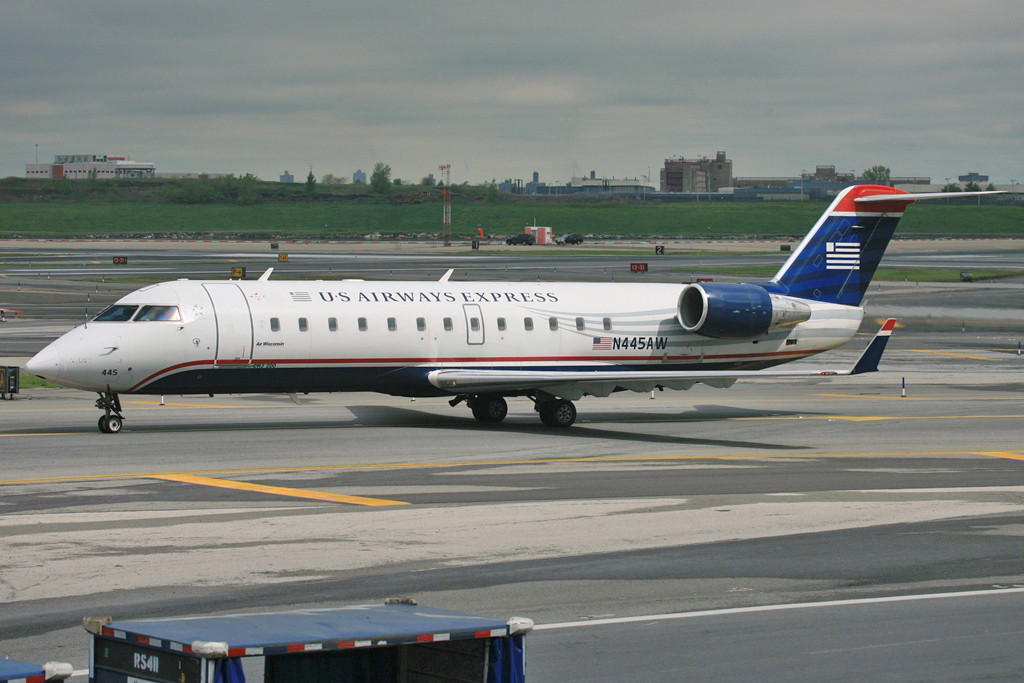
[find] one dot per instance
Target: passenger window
(607, 323)
(332, 324)
(392, 324)
(447, 324)
(165, 313)
(528, 324)
(553, 323)
(501, 324)
(303, 325)
(421, 324)
(474, 324)
(118, 313)
(362, 324)
(275, 325)
(580, 325)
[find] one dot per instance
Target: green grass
(282, 211)
(882, 274)
(32, 382)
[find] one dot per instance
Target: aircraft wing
(576, 383)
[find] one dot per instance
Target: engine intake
(736, 311)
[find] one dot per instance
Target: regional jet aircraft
(481, 342)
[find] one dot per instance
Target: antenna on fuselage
(266, 275)
(444, 278)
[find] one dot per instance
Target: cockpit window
(118, 313)
(147, 313)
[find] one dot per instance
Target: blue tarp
(10, 668)
(506, 663)
(229, 671)
(385, 623)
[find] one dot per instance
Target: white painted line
(774, 608)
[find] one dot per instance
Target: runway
(710, 515)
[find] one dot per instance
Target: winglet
(266, 275)
(868, 361)
(444, 278)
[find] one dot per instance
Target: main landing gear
(556, 412)
(488, 407)
(492, 408)
(111, 421)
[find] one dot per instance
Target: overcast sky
(500, 90)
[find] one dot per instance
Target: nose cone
(46, 363)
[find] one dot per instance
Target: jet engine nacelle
(736, 311)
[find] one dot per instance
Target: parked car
(522, 238)
(573, 238)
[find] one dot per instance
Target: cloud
(926, 88)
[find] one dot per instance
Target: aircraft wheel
(114, 424)
(559, 413)
(102, 424)
(490, 408)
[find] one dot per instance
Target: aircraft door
(474, 323)
(234, 323)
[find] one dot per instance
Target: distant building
(631, 187)
(591, 184)
(76, 166)
(510, 186)
(287, 177)
(535, 186)
(359, 178)
(697, 175)
(973, 177)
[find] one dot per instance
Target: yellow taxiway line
(954, 355)
(1009, 455)
(276, 490)
(199, 478)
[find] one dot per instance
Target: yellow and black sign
(282, 257)
(238, 271)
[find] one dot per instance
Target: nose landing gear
(111, 421)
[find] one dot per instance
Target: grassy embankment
(233, 208)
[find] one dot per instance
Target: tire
(490, 409)
(559, 413)
(114, 424)
(102, 424)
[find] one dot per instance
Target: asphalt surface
(773, 531)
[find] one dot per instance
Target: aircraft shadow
(410, 417)
(396, 416)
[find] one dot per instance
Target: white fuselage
(295, 336)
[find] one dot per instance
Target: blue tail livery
(837, 259)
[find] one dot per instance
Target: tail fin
(839, 256)
(837, 259)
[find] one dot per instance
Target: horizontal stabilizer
(913, 197)
(868, 361)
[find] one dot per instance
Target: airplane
(482, 342)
